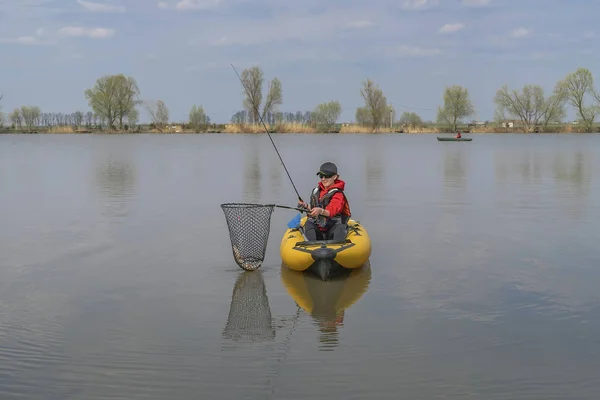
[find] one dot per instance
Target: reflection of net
(249, 226)
(249, 314)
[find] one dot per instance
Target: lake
(117, 278)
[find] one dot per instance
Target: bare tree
(578, 86)
(133, 117)
(198, 119)
(15, 118)
(410, 118)
(30, 115)
(127, 97)
(363, 116)
(457, 105)
(112, 98)
(77, 118)
(327, 113)
(159, 114)
(554, 111)
(274, 98)
(375, 103)
(252, 80)
(527, 105)
(89, 118)
(530, 106)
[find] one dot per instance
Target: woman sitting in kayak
(329, 208)
(458, 136)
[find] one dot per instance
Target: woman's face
(327, 180)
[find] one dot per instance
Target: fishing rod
(266, 130)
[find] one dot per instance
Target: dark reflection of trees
(573, 178)
(575, 172)
(455, 170)
(275, 175)
(529, 166)
(252, 171)
(116, 181)
(249, 313)
(526, 164)
(373, 174)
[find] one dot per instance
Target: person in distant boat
(329, 208)
(458, 136)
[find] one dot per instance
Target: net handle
(249, 205)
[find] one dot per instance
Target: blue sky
(181, 51)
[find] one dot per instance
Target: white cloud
(184, 5)
(519, 32)
(197, 4)
(413, 51)
(79, 31)
(450, 28)
(476, 3)
(304, 28)
(27, 40)
(418, 4)
(100, 7)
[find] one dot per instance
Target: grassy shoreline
(290, 128)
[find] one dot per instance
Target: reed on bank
(294, 127)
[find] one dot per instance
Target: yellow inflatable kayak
(326, 258)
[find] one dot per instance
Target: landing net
(249, 226)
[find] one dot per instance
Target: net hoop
(249, 227)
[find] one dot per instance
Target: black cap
(327, 168)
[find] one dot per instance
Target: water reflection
(116, 179)
(575, 171)
(326, 301)
(252, 171)
(455, 169)
(525, 164)
(275, 176)
(373, 174)
(249, 313)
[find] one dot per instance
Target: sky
(182, 51)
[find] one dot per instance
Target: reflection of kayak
(325, 258)
(326, 301)
(453, 139)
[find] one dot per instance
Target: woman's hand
(303, 204)
(316, 211)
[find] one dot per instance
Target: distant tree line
(114, 102)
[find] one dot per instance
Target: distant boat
(453, 139)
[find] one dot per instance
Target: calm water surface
(117, 278)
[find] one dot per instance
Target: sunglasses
(325, 176)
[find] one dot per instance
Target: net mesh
(249, 314)
(249, 226)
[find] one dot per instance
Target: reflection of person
(329, 208)
(328, 327)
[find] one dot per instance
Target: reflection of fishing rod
(286, 346)
(266, 130)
